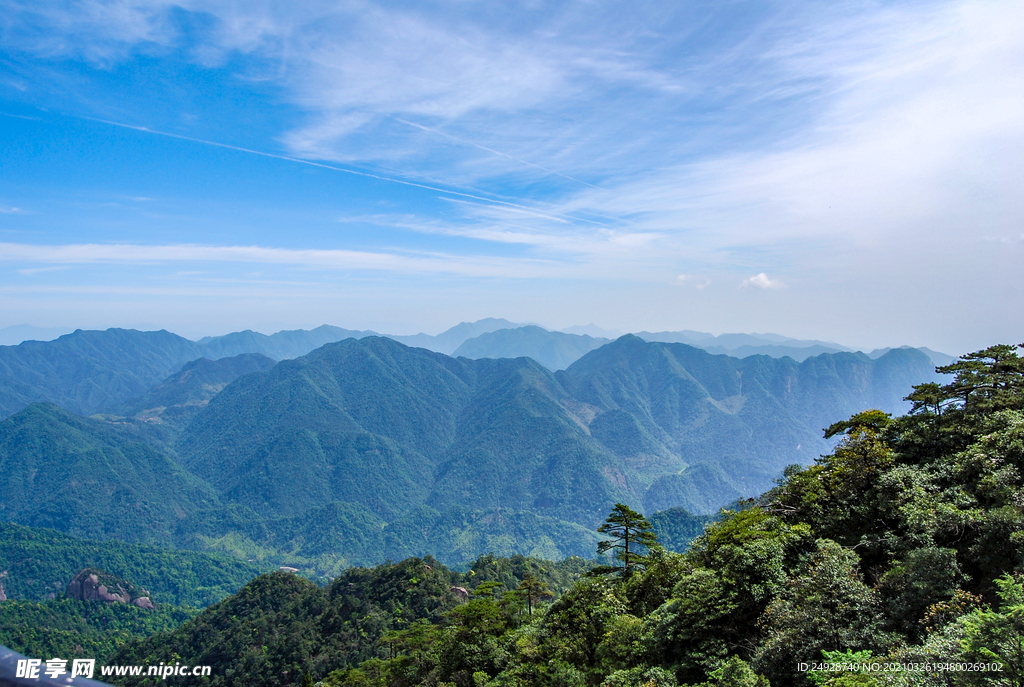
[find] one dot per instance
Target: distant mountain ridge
(553, 350)
(15, 334)
(87, 371)
(95, 371)
(448, 341)
(558, 350)
(92, 371)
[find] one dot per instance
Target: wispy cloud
(762, 281)
(84, 254)
(30, 271)
(699, 283)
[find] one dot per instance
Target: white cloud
(699, 283)
(761, 281)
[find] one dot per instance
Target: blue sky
(847, 171)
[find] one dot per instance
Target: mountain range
(88, 372)
(366, 448)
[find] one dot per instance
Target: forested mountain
(37, 564)
(374, 423)
(268, 632)
(87, 371)
(181, 395)
(894, 559)
(83, 477)
(366, 449)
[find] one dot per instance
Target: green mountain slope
(519, 446)
(731, 425)
(37, 564)
(72, 629)
(357, 421)
(894, 559)
(178, 398)
(82, 477)
(87, 371)
(279, 626)
(375, 423)
(327, 539)
(366, 448)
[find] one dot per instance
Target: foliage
(677, 527)
(68, 628)
(81, 476)
(37, 564)
(903, 540)
(631, 536)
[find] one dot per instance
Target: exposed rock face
(3, 596)
(461, 592)
(91, 584)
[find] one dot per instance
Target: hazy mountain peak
(16, 334)
(553, 350)
(593, 330)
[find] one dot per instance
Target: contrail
(524, 208)
(8, 114)
(492, 151)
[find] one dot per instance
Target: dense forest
(897, 556)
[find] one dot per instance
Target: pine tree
(631, 532)
(533, 590)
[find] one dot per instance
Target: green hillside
(357, 421)
(87, 371)
(74, 629)
(280, 626)
(82, 477)
(326, 539)
(374, 423)
(728, 426)
(177, 398)
(37, 564)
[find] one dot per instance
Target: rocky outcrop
(92, 584)
(460, 592)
